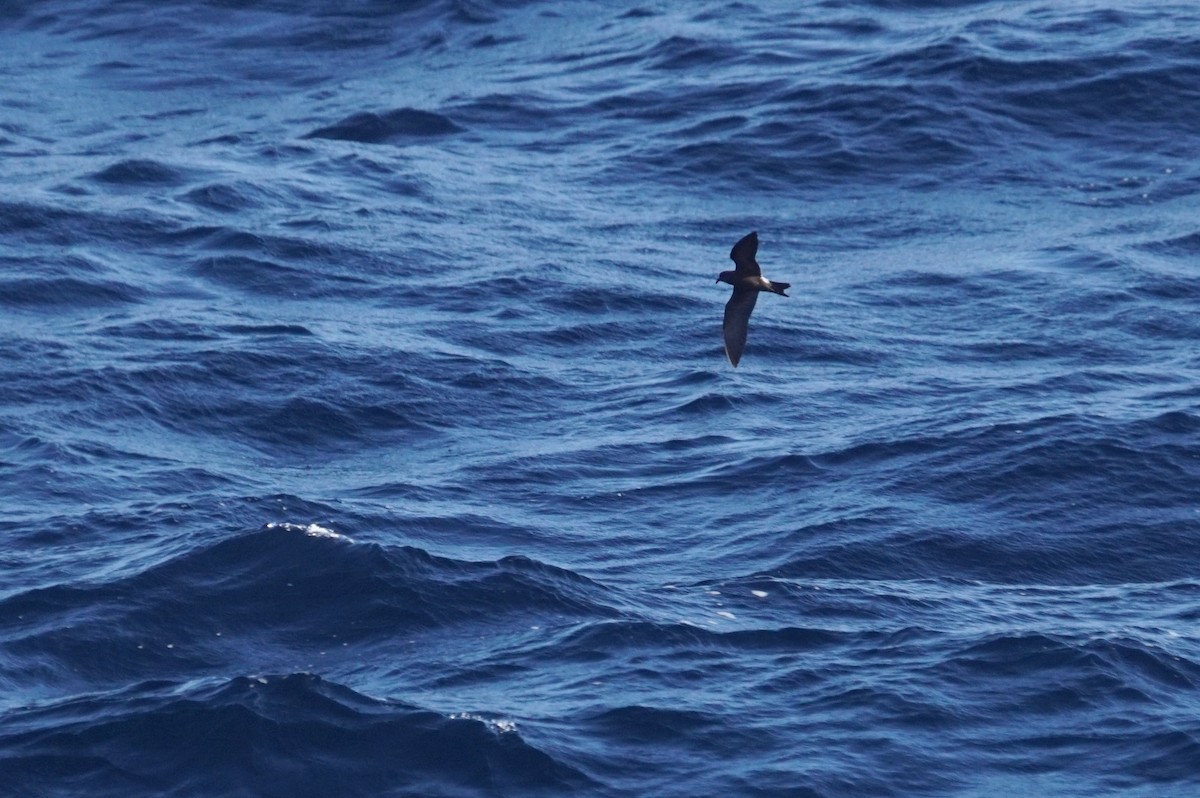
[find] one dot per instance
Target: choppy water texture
(365, 428)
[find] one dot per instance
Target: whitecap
(312, 530)
(498, 725)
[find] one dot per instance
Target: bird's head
(726, 277)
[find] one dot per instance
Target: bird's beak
(718, 279)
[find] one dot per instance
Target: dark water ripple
(143, 737)
(365, 428)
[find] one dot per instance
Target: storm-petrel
(747, 281)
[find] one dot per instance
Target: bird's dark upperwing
(737, 322)
(743, 254)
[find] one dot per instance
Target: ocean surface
(365, 427)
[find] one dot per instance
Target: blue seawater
(365, 428)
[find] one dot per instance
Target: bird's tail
(779, 288)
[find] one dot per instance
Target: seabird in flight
(747, 281)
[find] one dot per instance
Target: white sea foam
(498, 725)
(312, 530)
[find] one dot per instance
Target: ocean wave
(66, 292)
(191, 612)
(142, 173)
(374, 128)
(262, 734)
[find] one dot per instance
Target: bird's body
(747, 281)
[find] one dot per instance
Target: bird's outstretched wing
(743, 254)
(737, 322)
